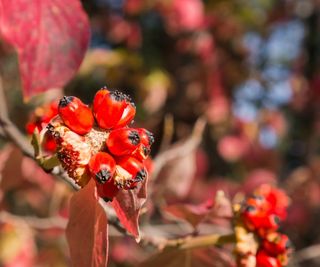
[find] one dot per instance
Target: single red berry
(266, 224)
(135, 168)
(265, 260)
(108, 190)
(123, 141)
(108, 107)
(127, 115)
(146, 137)
(277, 199)
(251, 216)
(276, 243)
(146, 140)
(49, 143)
(102, 167)
(75, 114)
(30, 127)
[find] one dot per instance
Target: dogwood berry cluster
(260, 216)
(98, 143)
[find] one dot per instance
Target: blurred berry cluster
(258, 221)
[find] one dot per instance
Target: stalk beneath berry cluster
(190, 242)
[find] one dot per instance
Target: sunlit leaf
(127, 205)
(50, 37)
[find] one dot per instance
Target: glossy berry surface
(123, 141)
(75, 114)
(136, 169)
(102, 166)
(128, 114)
(276, 243)
(265, 260)
(108, 108)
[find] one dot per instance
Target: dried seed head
(73, 152)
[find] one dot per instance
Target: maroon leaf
(87, 230)
(127, 205)
(191, 258)
(127, 208)
(50, 36)
(193, 214)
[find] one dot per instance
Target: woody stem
(200, 241)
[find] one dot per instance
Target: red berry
(135, 168)
(75, 114)
(49, 143)
(108, 190)
(102, 166)
(123, 141)
(108, 107)
(127, 115)
(251, 216)
(146, 140)
(276, 243)
(265, 260)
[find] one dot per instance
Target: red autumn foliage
(50, 38)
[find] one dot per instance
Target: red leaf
(127, 205)
(50, 36)
(193, 214)
(87, 230)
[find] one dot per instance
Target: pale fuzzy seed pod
(74, 151)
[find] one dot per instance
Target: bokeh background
(250, 68)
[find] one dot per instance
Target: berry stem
(200, 241)
(48, 163)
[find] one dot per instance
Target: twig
(200, 241)
(34, 222)
(168, 129)
(179, 151)
(9, 129)
(308, 253)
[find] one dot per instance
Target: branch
(308, 253)
(34, 222)
(9, 130)
(200, 241)
(179, 151)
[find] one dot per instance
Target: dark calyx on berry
(118, 96)
(277, 220)
(64, 101)
(250, 209)
(134, 137)
(141, 175)
(146, 151)
(103, 176)
(56, 136)
(106, 199)
(150, 137)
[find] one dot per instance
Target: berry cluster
(39, 118)
(260, 215)
(98, 143)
